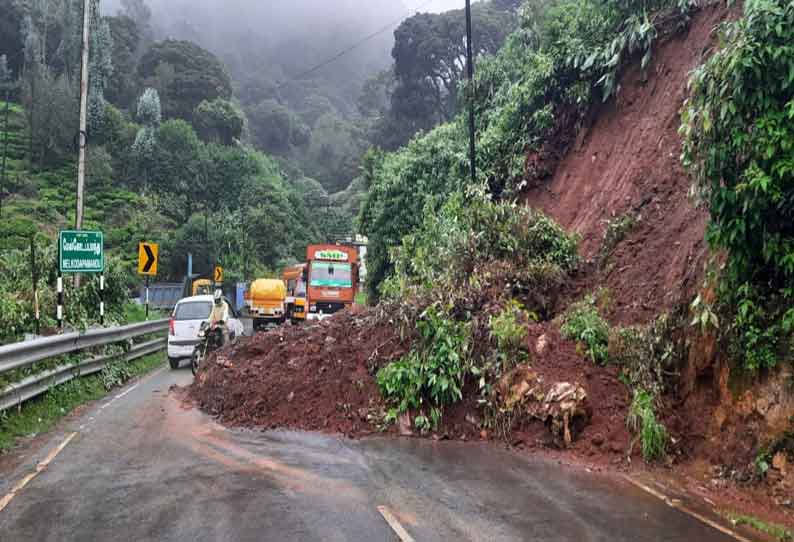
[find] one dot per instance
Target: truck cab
(332, 279)
(295, 280)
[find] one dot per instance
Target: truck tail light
(171, 328)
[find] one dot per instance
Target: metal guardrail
(23, 354)
(14, 356)
(35, 385)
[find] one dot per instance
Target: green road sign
(82, 252)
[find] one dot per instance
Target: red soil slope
(627, 161)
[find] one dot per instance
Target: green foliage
(738, 141)
(219, 121)
(509, 327)
(538, 85)
(642, 422)
(185, 75)
(115, 374)
(428, 70)
(123, 83)
(583, 323)
(778, 532)
(432, 375)
(648, 354)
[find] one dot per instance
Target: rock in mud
(404, 425)
(564, 402)
(542, 345)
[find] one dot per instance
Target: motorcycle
(210, 339)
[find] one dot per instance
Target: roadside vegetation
(563, 57)
(777, 532)
(738, 139)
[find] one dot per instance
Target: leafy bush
(647, 354)
(81, 306)
(115, 374)
(469, 234)
(738, 133)
(583, 323)
(509, 327)
(642, 422)
(432, 374)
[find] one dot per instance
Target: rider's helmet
(218, 297)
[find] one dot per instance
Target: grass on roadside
(134, 313)
(42, 413)
(778, 532)
(361, 298)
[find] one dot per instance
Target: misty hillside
(268, 48)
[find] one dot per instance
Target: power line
(347, 50)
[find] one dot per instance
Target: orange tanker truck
(331, 277)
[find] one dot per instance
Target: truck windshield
(336, 275)
(193, 310)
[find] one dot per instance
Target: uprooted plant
(642, 421)
(466, 285)
(582, 323)
(432, 374)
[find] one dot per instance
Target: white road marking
(394, 524)
(678, 505)
(128, 391)
(19, 486)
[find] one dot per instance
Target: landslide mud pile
(321, 378)
(315, 377)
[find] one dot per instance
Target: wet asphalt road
(143, 467)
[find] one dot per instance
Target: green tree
(219, 121)
(123, 84)
(275, 128)
(176, 170)
(197, 75)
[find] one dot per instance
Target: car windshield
(193, 310)
(338, 275)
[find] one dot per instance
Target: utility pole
(82, 139)
(470, 93)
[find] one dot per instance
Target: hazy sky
(435, 6)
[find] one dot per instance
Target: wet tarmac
(144, 467)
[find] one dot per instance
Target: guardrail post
(102, 299)
(60, 301)
(147, 297)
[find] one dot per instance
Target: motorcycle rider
(220, 316)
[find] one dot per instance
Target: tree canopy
(185, 75)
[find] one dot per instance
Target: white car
(186, 319)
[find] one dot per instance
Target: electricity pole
(82, 139)
(470, 93)
(78, 221)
